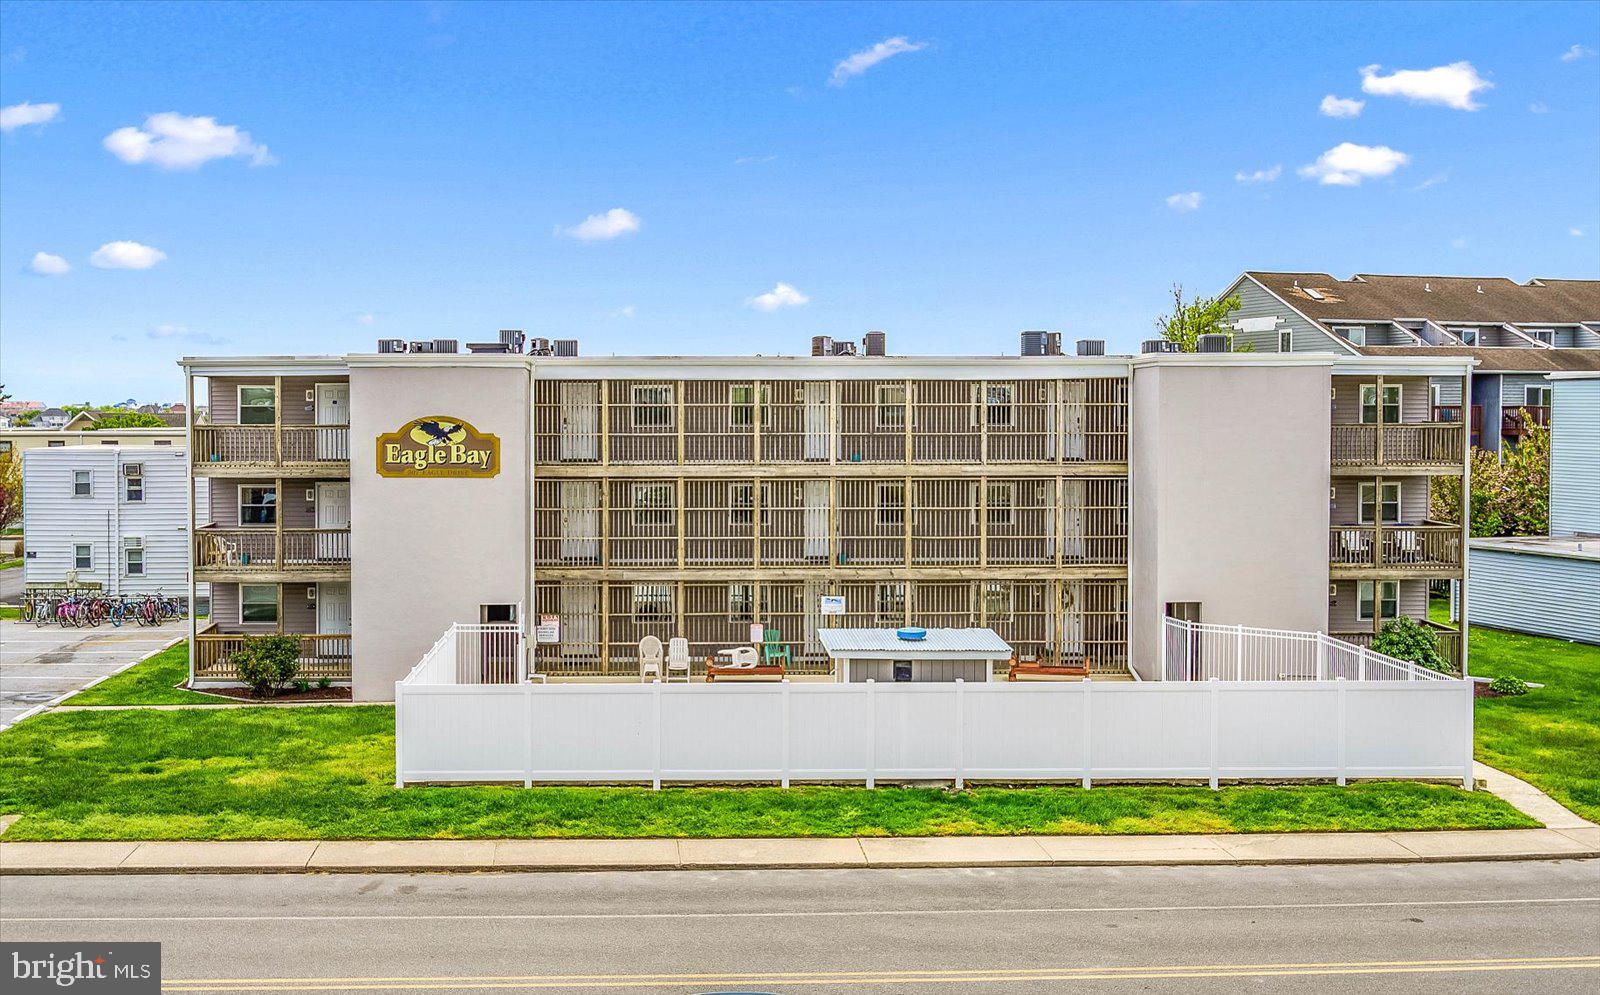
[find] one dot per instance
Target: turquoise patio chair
(774, 649)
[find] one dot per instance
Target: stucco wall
(1230, 471)
(426, 553)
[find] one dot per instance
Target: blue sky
(426, 170)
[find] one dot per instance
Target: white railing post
(783, 694)
(1238, 650)
(961, 689)
(1216, 720)
(1338, 688)
(655, 712)
(1468, 781)
(527, 714)
(872, 733)
(1088, 734)
(1322, 657)
(1166, 636)
(1361, 663)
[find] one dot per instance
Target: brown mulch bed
(286, 695)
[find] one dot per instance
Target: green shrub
(1509, 686)
(323, 682)
(1405, 638)
(267, 662)
(302, 686)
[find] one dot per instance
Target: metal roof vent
(1157, 345)
(876, 344)
(565, 347)
(1427, 288)
(1212, 342)
(391, 345)
(1091, 347)
(1480, 288)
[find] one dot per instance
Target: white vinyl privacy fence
(1209, 729)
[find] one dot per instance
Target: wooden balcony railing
(1517, 421)
(268, 550)
(321, 655)
(1447, 640)
(271, 446)
(1452, 413)
(1416, 444)
(1397, 548)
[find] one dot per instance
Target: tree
(1200, 316)
(1510, 493)
(126, 419)
(10, 490)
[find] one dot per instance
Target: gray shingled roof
(1442, 299)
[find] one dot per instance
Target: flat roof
(938, 644)
(1577, 547)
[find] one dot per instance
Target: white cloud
(782, 295)
(1332, 106)
(1575, 232)
(859, 62)
(182, 333)
(1433, 181)
(1539, 107)
(1347, 164)
(366, 319)
(625, 311)
(49, 264)
(1183, 203)
(1259, 176)
(125, 255)
(753, 160)
(18, 115)
(1576, 52)
(1459, 242)
(1451, 86)
(602, 227)
(177, 141)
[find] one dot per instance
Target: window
(997, 602)
(55, 442)
(258, 405)
(1545, 335)
(133, 482)
(258, 603)
(742, 402)
(1354, 334)
(652, 504)
(891, 503)
(1387, 593)
(163, 442)
(652, 602)
(133, 555)
(82, 556)
(1468, 336)
(999, 405)
(1002, 499)
(1390, 503)
(108, 442)
(1286, 341)
(652, 405)
(741, 602)
(1535, 396)
(741, 503)
(1369, 404)
(891, 604)
(82, 485)
(258, 504)
(891, 408)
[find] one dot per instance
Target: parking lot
(39, 663)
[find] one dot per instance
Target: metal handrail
(1194, 651)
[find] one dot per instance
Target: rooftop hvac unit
(1212, 342)
(501, 347)
(1157, 345)
(1052, 343)
(540, 347)
(423, 346)
(876, 344)
(844, 348)
(1091, 347)
(446, 345)
(1033, 343)
(512, 338)
(565, 347)
(821, 345)
(391, 345)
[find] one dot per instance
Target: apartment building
(1519, 333)
(1065, 502)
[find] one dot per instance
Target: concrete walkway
(362, 856)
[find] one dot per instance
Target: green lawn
(11, 564)
(327, 773)
(152, 682)
(12, 612)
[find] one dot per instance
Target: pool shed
(889, 655)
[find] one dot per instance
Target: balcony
(223, 553)
(1429, 550)
(290, 450)
(1452, 413)
(1516, 422)
(1419, 446)
(321, 655)
(1447, 640)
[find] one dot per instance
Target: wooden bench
(1034, 671)
(762, 672)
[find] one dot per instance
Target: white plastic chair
(744, 656)
(649, 658)
(678, 658)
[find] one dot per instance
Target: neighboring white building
(115, 514)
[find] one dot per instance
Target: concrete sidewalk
(363, 856)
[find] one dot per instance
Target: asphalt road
(11, 586)
(1420, 928)
(38, 663)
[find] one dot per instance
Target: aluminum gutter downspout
(188, 476)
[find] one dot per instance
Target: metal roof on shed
(884, 644)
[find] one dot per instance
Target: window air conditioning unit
(133, 469)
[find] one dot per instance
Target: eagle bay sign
(438, 446)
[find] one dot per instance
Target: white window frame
(131, 545)
(244, 602)
(1371, 593)
(741, 603)
(663, 413)
(644, 512)
(889, 414)
(658, 595)
(1364, 499)
(86, 478)
(76, 545)
(272, 408)
(1529, 391)
(1469, 336)
(128, 480)
(1378, 401)
(1353, 334)
(276, 506)
(1286, 340)
(880, 507)
(1545, 336)
(741, 414)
